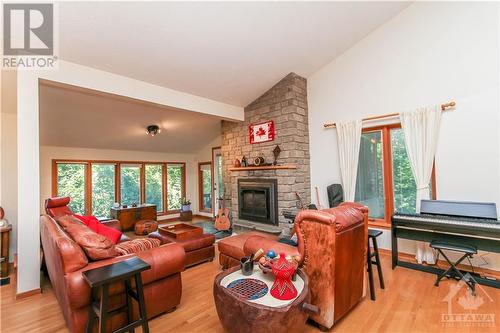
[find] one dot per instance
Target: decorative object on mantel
(264, 167)
(236, 163)
(276, 153)
(261, 132)
(258, 161)
(244, 161)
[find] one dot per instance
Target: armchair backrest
(332, 244)
(58, 206)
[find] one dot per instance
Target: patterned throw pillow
(97, 247)
(137, 245)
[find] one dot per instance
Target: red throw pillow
(93, 223)
(111, 233)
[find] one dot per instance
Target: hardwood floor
(410, 303)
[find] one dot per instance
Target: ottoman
(232, 249)
(144, 227)
(198, 248)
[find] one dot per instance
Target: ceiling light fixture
(153, 130)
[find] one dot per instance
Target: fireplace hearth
(258, 200)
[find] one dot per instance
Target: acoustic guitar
(222, 222)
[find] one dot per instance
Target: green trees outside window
(405, 188)
(174, 186)
(103, 189)
(154, 185)
(71, 182)
(130, 186)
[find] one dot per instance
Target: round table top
(268, 279)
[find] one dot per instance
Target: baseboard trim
(410, 257)
(28, 293)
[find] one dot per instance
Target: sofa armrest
(165, 260)
(115, 224)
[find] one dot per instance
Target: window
(71, 181)
(370, 179)
(205, 186)
(103, 189)
(130, 188)
(385, 180)
(95, 185)
(176, 180)
(154, 185)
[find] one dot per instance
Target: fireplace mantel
(264, 167)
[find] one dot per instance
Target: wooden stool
(373, 234)
(101, 278)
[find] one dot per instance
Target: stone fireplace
(285, 104)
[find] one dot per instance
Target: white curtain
(421, 132)
(349, 138)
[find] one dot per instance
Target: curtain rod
(444, 107)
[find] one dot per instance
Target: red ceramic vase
(283, 270)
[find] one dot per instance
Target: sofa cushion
(97, 247)
(137, 245)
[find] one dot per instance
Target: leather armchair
(66, 261)
(333, 247)
(58, 206)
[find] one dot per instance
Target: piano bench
(467, 251)
(453, 247)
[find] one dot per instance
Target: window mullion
(388, 183)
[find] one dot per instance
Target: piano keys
(468, 223)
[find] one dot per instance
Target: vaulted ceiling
(226, 51)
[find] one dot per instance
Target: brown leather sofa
(66, 261)
(58, 206)
(332, 244)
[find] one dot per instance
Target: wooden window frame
(118, 165)
(388, 178)
(200, 187)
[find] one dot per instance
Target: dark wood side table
(128, 216)
(4, 255)
(101, 278)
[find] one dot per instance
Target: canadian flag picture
(262, 132)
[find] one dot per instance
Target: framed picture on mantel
(261, 132)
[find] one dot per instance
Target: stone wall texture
(286, 104)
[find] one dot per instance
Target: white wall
(48, 153)
(8, 154)
(431, 53)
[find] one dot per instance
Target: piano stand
(467, 251)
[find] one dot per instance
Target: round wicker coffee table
(264, 313)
